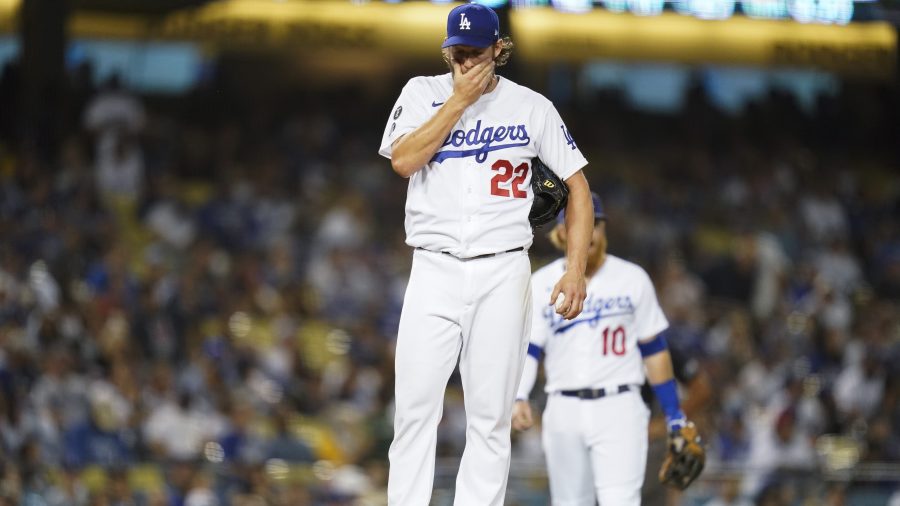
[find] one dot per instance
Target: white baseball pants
(596, 449)
(476, 311)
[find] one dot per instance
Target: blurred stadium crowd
(199, 295)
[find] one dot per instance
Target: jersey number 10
(505, 172)
(614, 341)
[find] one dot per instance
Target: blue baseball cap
(598, 209)
(472, 25)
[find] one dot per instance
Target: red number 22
(505, 172)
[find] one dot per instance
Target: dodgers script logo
(595, 309)
(486, 139)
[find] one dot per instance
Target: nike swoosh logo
(436, 104)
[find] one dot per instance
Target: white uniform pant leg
(496, 326)
(618, 444)
(568, 457)
(428, 344)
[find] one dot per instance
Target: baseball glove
(550, 194)
(685, 459)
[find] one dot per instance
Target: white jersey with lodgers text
(598, 349)
(474, 196)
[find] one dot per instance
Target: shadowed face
(597, 248)
(469, 56)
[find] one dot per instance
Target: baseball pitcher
(465, 140)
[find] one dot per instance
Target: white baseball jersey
(598, 349)
(474, 196)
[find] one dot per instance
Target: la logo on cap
(464, 23)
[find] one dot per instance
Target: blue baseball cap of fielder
(472, 25)
(598, 210)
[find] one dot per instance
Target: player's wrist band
(667, 393)
(676, 423)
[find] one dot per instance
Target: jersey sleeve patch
(411, 110)
(557, 148)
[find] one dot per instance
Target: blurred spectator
(859, 389)
(114, 111)
(169, 217)
(239, 442)
(285, 445)
(97, 440)
(178, 428)
(120, 168)
(116, 118)
(729, 495)
(822, 213)
(777, 446)
(839, 268)
(68, 491)
(201, 493)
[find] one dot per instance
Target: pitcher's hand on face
(574, 288)
(471, 84)
(521, 417)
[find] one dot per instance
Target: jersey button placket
(470, 203)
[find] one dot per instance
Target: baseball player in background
(465, 140)
(595, 421)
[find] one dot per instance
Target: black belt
(486, 255)
(595, 393)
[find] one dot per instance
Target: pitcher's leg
(495, 337)
(428, 344)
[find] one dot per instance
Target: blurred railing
(869, 484)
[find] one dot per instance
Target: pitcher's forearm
(579, 222)
(414, 150)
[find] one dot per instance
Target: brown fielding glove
(685, 458)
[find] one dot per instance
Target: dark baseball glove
(550, 194)
(685, 459)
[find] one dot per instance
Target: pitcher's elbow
(402, 167)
